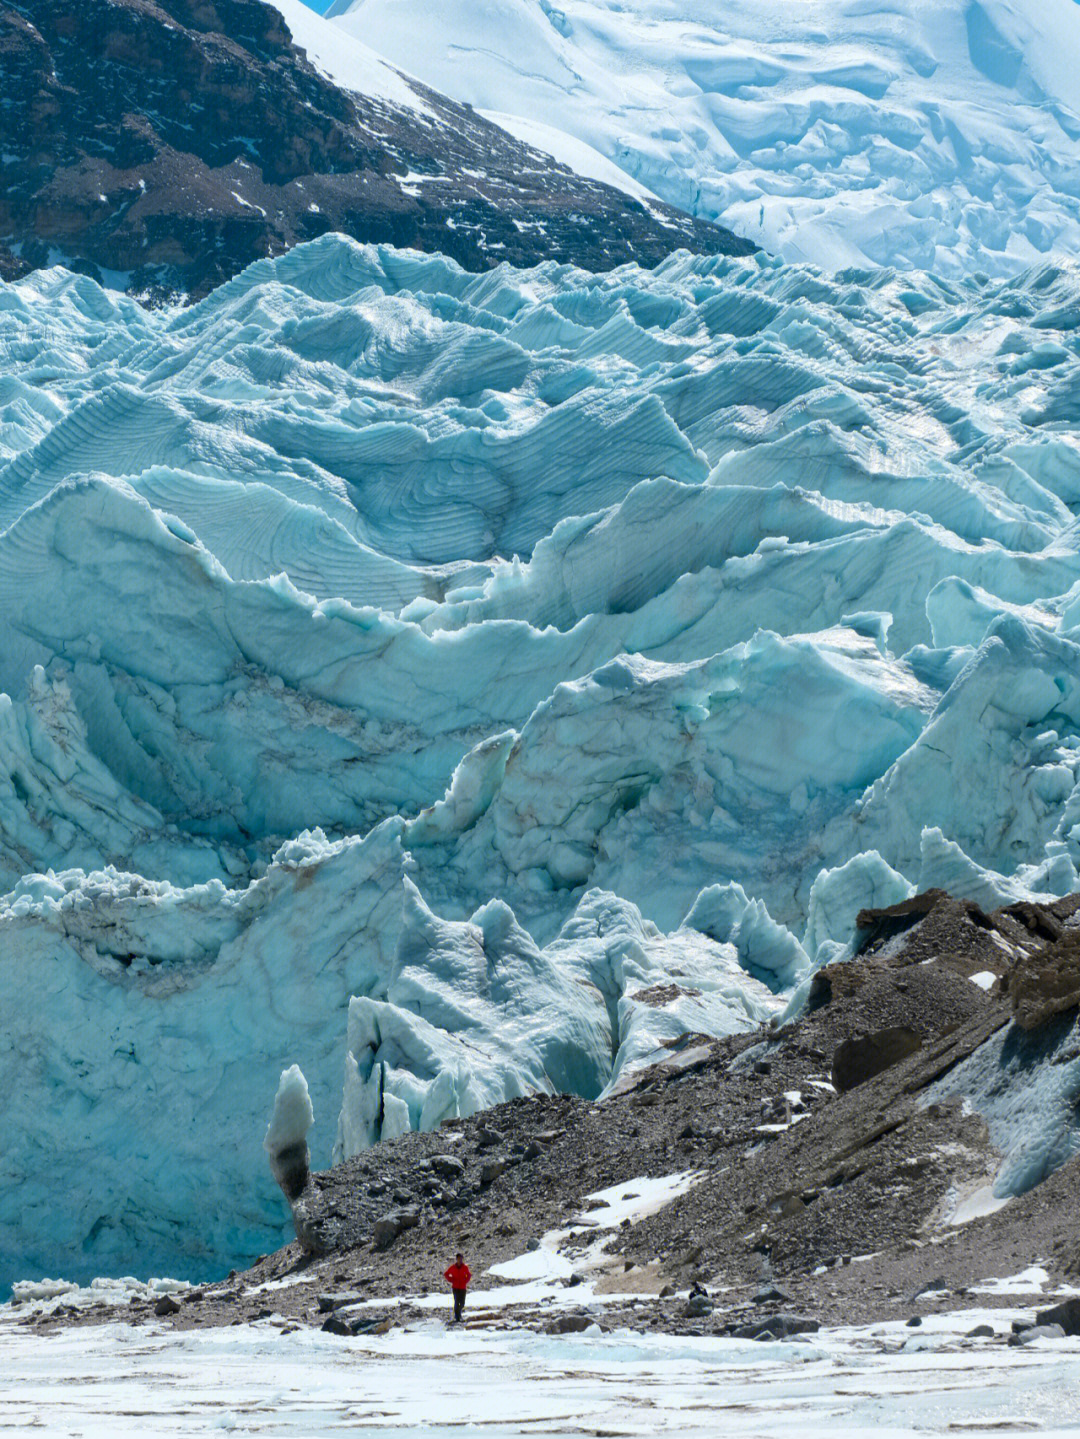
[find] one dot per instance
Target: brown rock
(181, 141)
(1047, 983)
(857, 1060)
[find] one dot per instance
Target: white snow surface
(938, 136)
(112, 1380)
(466, 685)
(347, 61)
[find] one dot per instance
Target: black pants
(459, 1303)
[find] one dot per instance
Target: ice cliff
(944, 136)
(457, 685)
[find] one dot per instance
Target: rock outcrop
(857, 1060)
(173, 143)
(1047, 982)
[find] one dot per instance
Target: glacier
(460, 686)
(942, 137)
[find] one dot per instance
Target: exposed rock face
(857, 1060)
(178, 141)
(1047, 983)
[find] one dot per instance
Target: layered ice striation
(478, 683)
(1027, 1087)
(942, 136)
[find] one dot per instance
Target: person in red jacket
(458, 1276)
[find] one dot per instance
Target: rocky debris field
(796, 1204)
(172, 144)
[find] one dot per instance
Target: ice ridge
(479, 681)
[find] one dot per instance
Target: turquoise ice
(463, 685)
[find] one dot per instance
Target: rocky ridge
(167, 145)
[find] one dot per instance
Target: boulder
(570, 1324)
(855, 1061)
(1067, 1314)
(447, 1166)
(166, 1305)
(771, 1295)
(385, 1230)
(1033, 1332)
(329, 1302)
(360, 1324)
(777, 1326)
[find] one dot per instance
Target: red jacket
(458, 1276)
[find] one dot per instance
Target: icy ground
(943, 136)
(431, 1380)
(505, 1378)
(468, 683)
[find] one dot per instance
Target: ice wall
(470, 683)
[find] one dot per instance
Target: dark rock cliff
(176, 142)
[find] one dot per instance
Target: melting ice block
(286, 1134)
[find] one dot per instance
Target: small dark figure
(458, 1276)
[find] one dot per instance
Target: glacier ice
(1027, 1088)
(476, 1013)
(286, 1134)
(462, 685)
(942, 137)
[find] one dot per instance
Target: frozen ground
(115, 1380)
(940, 136)
(501, 1375)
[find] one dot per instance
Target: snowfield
(115, 1380)
(458, 686)
(501, 1373)
(943, 136)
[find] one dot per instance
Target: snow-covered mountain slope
(943, 136)
(649, 624)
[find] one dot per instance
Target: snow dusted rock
(295, 140)
(943, 137)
